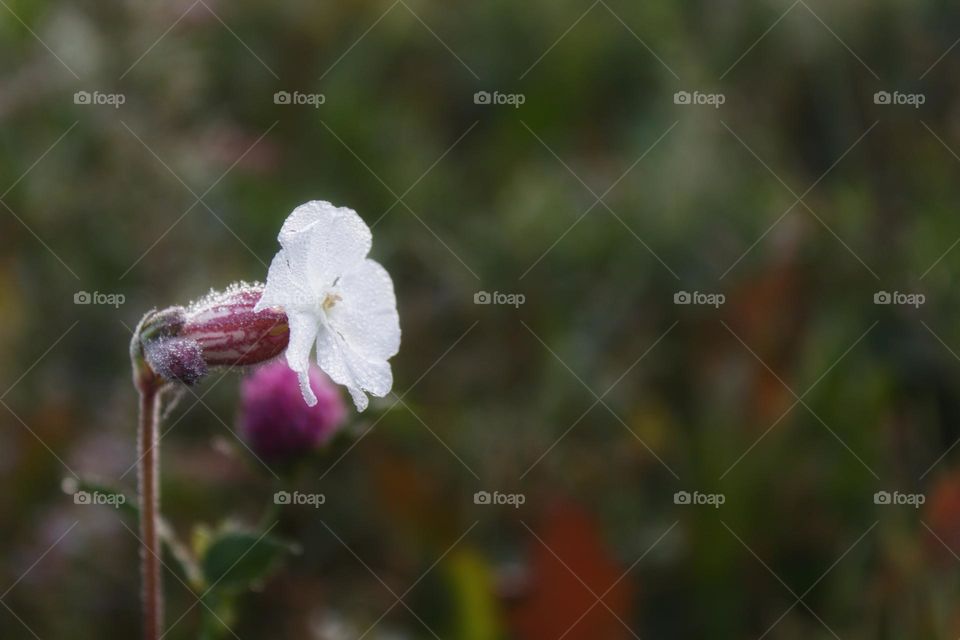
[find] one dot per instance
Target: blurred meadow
(775, 459)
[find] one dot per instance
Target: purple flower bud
(230, 332)
(276, 422)
(220, 330)
(176, 359)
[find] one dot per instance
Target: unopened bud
(220, 330)
(230, 333)
(176, 359)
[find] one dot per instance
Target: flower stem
(148, 468)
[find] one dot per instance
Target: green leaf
(217, 617)
(237, 559)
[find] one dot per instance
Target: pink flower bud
(277, 423)
(220, 330)
(229, 332)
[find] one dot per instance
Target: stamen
(330, 300)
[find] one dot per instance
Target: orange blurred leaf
(568, 565)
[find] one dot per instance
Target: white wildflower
(335, 298)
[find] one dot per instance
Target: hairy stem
(148, 473)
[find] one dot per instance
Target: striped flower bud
(221, 329)
(231, 333)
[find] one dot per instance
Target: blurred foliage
(184, 186)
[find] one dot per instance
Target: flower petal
(339, 360)
(285, 288)
(303, 331)
(367, 315)
(306, 215)
(324, 241)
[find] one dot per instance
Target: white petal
(324, 242)
(360, 400)
(346, 366)
(366, 316)
(306, 215)
(283, 288)
(303, 331)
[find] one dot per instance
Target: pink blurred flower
(275, 421)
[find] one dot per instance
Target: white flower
(334, 297)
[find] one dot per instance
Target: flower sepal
(181, 344)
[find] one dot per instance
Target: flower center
(330, 300)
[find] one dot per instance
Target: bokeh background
(599, 199)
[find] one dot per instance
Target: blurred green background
(599, 199)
